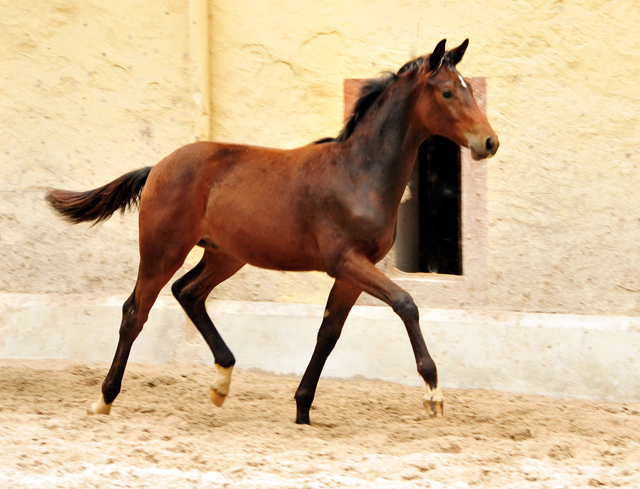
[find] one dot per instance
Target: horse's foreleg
(192, 290)
(341, 299)
(358, 270)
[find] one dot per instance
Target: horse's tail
(101, 203)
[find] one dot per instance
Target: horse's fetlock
(109, 393)
(226, 360)
(304, 397)
(429, 372)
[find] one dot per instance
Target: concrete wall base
(568, 356)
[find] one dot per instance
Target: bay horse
(329, 206)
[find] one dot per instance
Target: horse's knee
(129, 306)
(404, 307)
(131, 328)
(328, 337)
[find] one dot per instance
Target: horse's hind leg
(152, 276)
(192, 290)
(341, 299)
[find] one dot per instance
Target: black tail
(100, 204)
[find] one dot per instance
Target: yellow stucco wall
(89, 92)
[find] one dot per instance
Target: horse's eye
(447, 94)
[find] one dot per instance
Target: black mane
(369, 93)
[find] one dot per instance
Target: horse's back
(250, 201)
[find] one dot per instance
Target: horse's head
(446, 106)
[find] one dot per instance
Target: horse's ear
(435, 60)
(456, 54)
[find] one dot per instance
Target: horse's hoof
(220, 387)
(434, 408)
(217, 397)
(99, 407)
(434, 402)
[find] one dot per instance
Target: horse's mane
(369, 93)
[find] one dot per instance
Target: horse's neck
(386, 144)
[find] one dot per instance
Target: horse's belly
(273, 247)
(285, 262)
(275, 255)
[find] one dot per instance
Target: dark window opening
(429, 223)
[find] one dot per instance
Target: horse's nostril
(490, 144)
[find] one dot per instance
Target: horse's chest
(368, 220)
(371, 229)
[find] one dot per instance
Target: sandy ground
(164, 432)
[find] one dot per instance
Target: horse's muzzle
(482, 148)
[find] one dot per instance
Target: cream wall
(90, 91)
